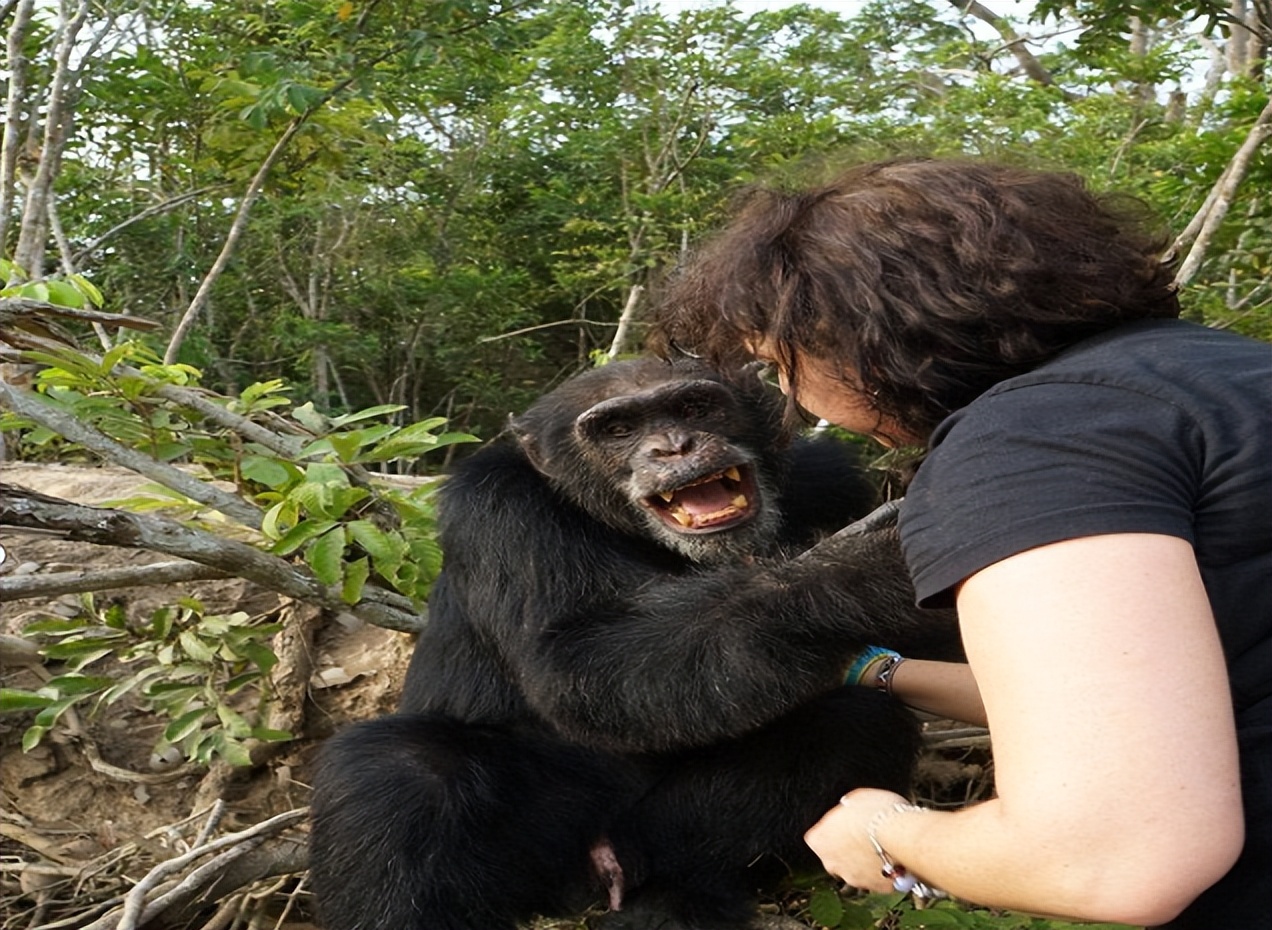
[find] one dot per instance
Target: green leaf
(87, 288)
(265, 734)
(936, 917)
(368, 413)
(356, 575)
(48, 716)
(345, 445)
(825, 907)
(261, 656)
(128, 684)
(325, 557)
(281, 514)
(13, 700)
(268, 471)
(385, 548)
(300, 534)
(52, 625)
(172, 691)
(188, 723)
(233, 722)
(310, 418)
(81, 653)
(31, 738)
(238, 682)
(232, 751)
(857, 917)
(196, 648)
(64, 294)
(79, 684)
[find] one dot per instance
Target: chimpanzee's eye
(697, 405)
(616, 429)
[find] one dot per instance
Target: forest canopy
(450, 205)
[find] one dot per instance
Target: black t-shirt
(1156, 427)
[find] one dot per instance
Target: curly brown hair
(924, 281)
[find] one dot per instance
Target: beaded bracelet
(902, 880)
(867, 658)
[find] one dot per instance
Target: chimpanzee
(629, 686)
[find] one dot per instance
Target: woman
(1096, 499)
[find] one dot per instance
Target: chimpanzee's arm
(621, 644)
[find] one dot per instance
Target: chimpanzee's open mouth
(713, 502)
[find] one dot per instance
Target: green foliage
(320, 507)
(851, 911)
(206, 674)
(73, 290)
(477, 187)
(345, 532)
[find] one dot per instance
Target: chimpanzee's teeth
(681, 517)
(732, 473)
(740, 502)
(667, 496)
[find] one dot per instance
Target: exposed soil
(70, 830)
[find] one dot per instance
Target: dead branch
(26, 404)
(170, 204)
(237, 228)
(157, 573)
(26, 509)
(138, 910)
(625, 321)
(15, 309)
(28, 254)
(16, 66)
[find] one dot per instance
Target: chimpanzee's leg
(426, 823)
(727, 820)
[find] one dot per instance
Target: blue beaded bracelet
(864, 660)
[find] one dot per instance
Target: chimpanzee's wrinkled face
(677, 457)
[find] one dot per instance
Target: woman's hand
(841, 839)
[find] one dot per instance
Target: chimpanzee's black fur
(604, 705)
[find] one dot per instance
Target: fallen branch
(26, 509)
(25, 404)
(156, 573)
(137, 910)
(15, 309)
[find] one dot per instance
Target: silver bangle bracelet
(887, 668)
(902, 880)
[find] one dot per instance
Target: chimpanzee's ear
(529, 441)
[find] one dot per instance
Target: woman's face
(837, 398)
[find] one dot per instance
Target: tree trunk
(16, 63)
(32, 238)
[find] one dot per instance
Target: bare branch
(16, 65)
(136, 911)
(16, 588)
(27, 509)
(29, 252)
(625, 321)
(1220, 199)
(237, 228)
(1015, 43)
(25, 404)
(170, 204)
(15, 308)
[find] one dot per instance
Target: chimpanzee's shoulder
(826, 485)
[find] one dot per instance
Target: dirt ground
(85, 813)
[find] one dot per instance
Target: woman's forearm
(946, 689)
